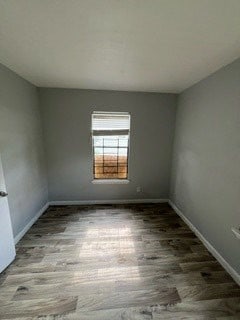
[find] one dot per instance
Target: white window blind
(110, 136)
(110, 123)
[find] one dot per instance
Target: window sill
(110, 181)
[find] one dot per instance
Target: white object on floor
(7, 247)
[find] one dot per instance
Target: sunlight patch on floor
(97, 243)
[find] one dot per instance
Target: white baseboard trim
(207, 244)
(30, 223)
(89, 202)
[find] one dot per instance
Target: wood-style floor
(123, 262)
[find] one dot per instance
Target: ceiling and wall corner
(132, 45)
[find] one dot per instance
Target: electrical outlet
(139, 189)
(236, 231)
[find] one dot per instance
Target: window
(110, 138)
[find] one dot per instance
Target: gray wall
(67, 124)
(21, 148)
(205, 182)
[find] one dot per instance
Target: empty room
(119, 159)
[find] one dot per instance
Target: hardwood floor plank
(33, 308)
(207, 292)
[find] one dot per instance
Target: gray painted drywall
(205, 183)
(67, 127)
(21, 148)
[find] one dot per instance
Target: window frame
(110, 180)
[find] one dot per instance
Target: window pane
(123, 152)
(98, 151)
(98, 141)
(110, 151)
(111, 169)
(122, 169)
(123, 142)
(111, 142)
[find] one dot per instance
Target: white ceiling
(139, 45)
